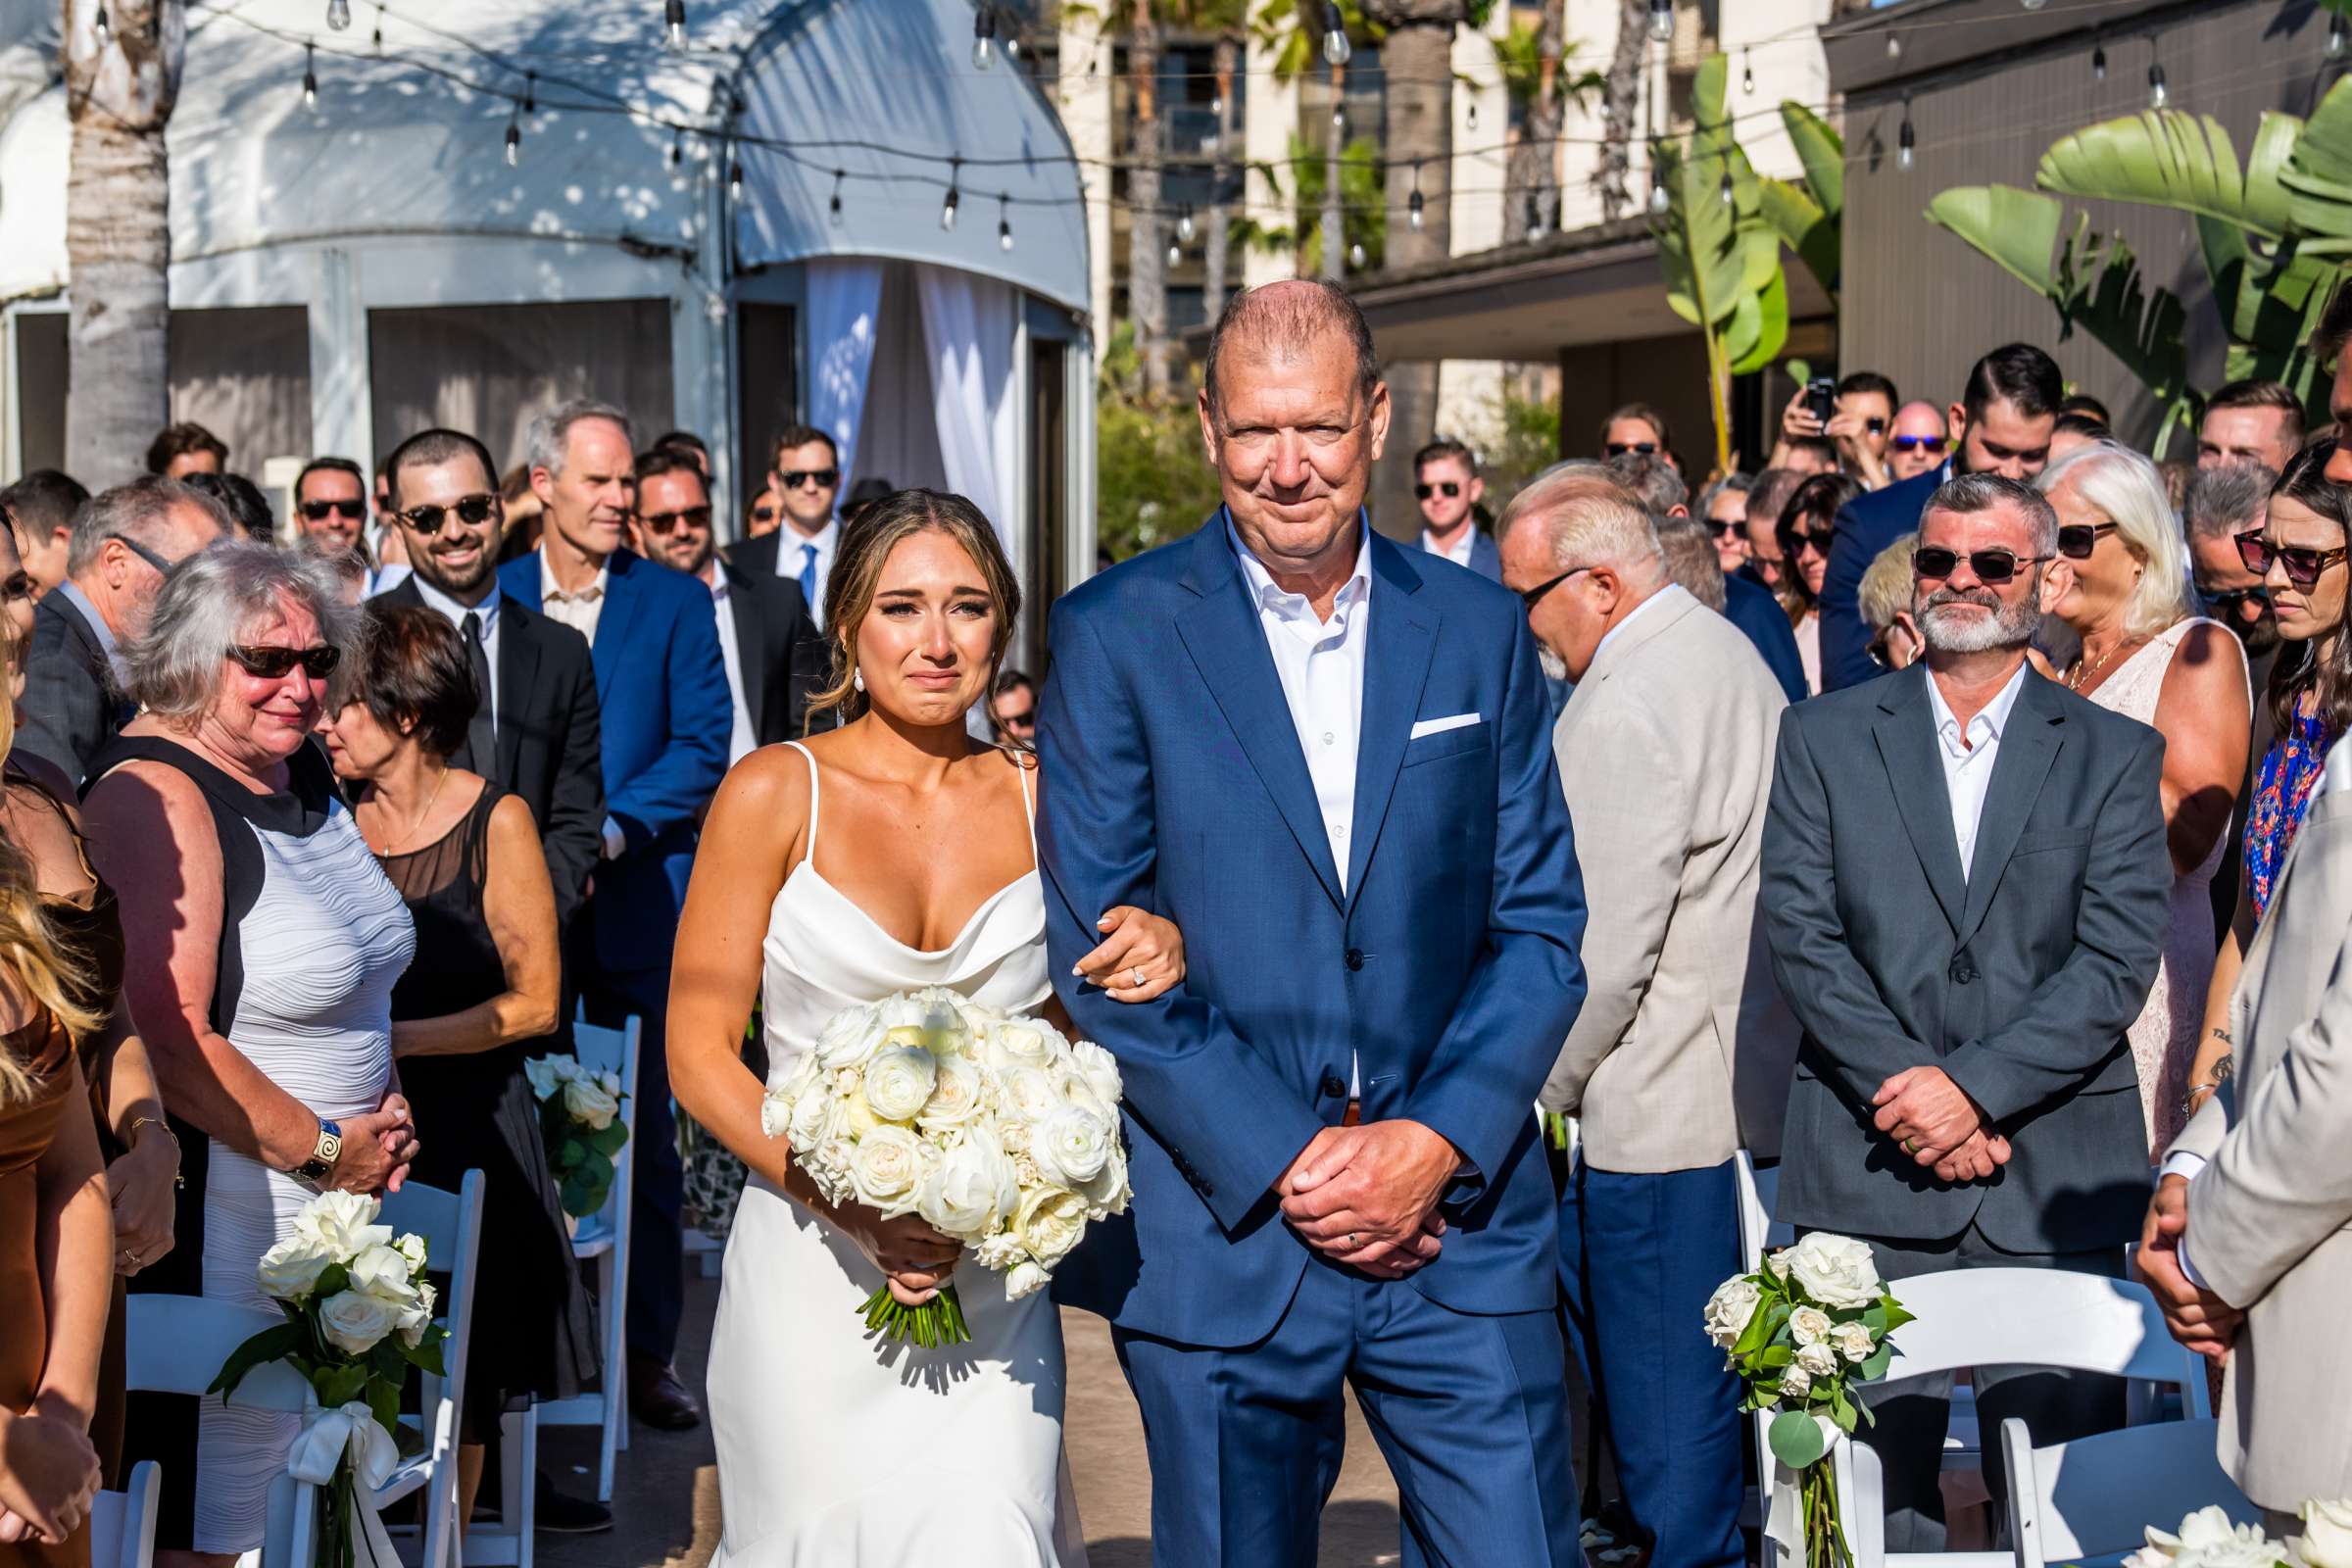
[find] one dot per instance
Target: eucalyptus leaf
(1797, 1439)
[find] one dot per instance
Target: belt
(1354, 1115)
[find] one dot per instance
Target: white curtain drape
(845, 301)
(967, 328)
(898, 441)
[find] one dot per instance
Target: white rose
(1025, 1279)
(850, 1037)
(586, 1101)
(1810, 1325)
(1837, 1271)
(1819, 1359)
(971, 1188)
(383, 1273)
(930, 1018)
(885, 1169)
(849, 1117)
(547, 1074)
(1026, 1093)
(2327, 1539)
(1107, 1192)
(955, 1095)
(1797, 1381)
(291, 1270)
(898, 1081)
(418, 1316)
(1853, 1342)
(1001, 1251)
(355, 1322)
(795, 1075)
(1729, 1309)
(2208, 1540)
(979, 1017)
(1049, 1222)
(805, 1117)
(1100, 1068)
(411, 1247)
(1019, 1042)
(1072, 1145)
(344, 1223)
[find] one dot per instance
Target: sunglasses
(1989, 565)
(15, 586)
(2303, 567)
(1873, 425)
(1931, 445)
(1449, 488)
(472, 511)
(821, 478)
(2233, 601)
(1618, 449)
(275, 664)
(321, 510)
(1529, 596)
(2076, 540)
(159, 562)
(1726, 527)
(763, 513)
(659, 523)
(1021, 720)
(1795, 543)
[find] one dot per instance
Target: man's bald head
(1288, 318)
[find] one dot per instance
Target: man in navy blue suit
(2002, 425)
(661, 683)
(1325, 758)
(1447, 487)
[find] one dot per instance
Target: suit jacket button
(1962, 971)
(1334, 1085)
(1355, 959)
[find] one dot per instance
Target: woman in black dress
(477, 1002)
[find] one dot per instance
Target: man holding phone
(1856, 414)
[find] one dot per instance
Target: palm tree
(1529, 60)
(1621, 99)
(122, 65)
(1217, 244)
(1147, 267)
(1293, 30)
(1416, 59)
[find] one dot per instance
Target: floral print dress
(2283, 788)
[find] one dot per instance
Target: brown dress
(25, 1130)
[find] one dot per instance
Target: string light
(1724, 189)
(2158, 97)
(1013, 40)
(1906, 140)
(2335, 35)
(1660, 204)
(1747, 71)
(1336, 48)
(734, 178)
(100, 27)
(2098, 62)
(1004, 223)
(984, 37)
(1894, 45)
(338, 14)
(1183, 224)
(678, 148)
(1414, 204)
(1175, 254)
(1339, 117)
(378, 40)
(947, 209)
(310, 76)
(514, 138)
(1535, 218)
(833, 208)
(530, 92)
(1661, 21)
(1470, 112)
(673, 26)
(1356, 257)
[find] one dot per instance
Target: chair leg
(527, 1484)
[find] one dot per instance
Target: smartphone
(1821, 398)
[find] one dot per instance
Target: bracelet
(138, 1122)
(2190, 1104)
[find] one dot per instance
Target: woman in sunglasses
(261, 943)
(2121, 584)
(2299, 552)
(1808, 522)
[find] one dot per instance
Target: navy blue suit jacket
(1750, 606)
(1866, 527)
(667, 716)
(1446, 960)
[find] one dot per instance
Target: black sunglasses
(763, 513)
(275, 664)
(2303, 567)
(2233, 601)
(659, 523)
(1449, 488)
(472, 511)
(1795, 543)
(17, 585)
(2076, 540)
(1618, 449)
(1931, 445)
(1529, 596)
(1873, 425)
(1725, 527)
(321, 510)
(825, 478)
(1989, 565)
(159, 562)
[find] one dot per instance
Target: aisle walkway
(667, 1501)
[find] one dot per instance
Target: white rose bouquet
(2207, 1539)
(1798, 1332)
(999, 1132)
(359, 1320)
(579, 1117)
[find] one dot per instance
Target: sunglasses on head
(2303, 567)
(472, 511)
(275, 664)
(1447, 488)
(1931, 445)
(659, 523)
(2076, 540)
(321, 510)
(822, 478)
(1989, 565)
(1618, 449)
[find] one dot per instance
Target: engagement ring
(1135, 977)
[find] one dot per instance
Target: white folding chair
(603, 1240)
(451, 1224)
(122, 1523)
(177, 1345)
(1759, 1191)
(2090, 1502)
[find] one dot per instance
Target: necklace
(2077, 676)
(392, 846)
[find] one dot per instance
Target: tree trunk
(1533, 173)
(1146, 259)
(121, 94)
(1620, 101)
(1216, 245)
(1417, 63)
(1334, 231)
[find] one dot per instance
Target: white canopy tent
(347, 271)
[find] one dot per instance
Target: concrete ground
(665, 1503)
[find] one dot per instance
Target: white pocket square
(1439, 726)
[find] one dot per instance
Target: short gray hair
(1292, 315)
(2125, 486)
(1692, 559)
(211, 603)
(1590, 519)
(550, 432)
(1733, 483)
(1651, 477)
(2228, 500)
(138, 513)
(1971, 493)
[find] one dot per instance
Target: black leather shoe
(659, 1400)
(557, 1513)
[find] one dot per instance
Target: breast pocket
(1446, 743)
(2077, 839)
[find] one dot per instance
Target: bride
(891, 854)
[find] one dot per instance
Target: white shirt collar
(548, 588)
(1636, 614)
(1459, 551)
(1266, 594)
(435, 599)
(824, 539)
(1990, 722)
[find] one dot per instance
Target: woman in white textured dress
(891, 854)
(261, 945)
(2121, 584)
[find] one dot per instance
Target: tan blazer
(1684, 1051)
(2270, 1219)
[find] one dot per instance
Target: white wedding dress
(837, 1449)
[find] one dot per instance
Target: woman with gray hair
(2121, 584)
(262, 945)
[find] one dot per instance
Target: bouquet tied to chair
(580, 1120)
(359, 1315)
(1798, 1332)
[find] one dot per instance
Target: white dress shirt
(795, 548)
(740, 736)
(1969, 759)
(435, 600)
(1459, 551)
(579, 611)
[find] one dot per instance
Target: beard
(456, 582)
(2260, 638)
(2010, 625)
(1555, 668)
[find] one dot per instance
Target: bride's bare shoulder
(766, 796)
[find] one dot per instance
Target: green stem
(936, 1323)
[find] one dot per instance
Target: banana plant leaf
(2317, 174)
(2165, 158)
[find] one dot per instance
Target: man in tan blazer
(1683, 1053)
(2248, 1241)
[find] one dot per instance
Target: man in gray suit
(123, 543)
(1965, 886)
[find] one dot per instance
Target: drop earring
(858, 680)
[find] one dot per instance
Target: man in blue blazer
(1325, 758)
(662, 685)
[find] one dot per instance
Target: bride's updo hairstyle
(856, 576)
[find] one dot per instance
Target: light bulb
(673, 26)
(678, 148)
(514, 144)
(1012, 45)
(1216, 107)
(100, 27)
(1356, 257)
(1336, 48)
(2157, 96)
(1184, 224)
(1894, 45)
(2335, 36)
(530, 92)
(735, 179)
(1412, 212)
(1470, 115)
(947, 208)
(2098, 62)
(1175, 255)
(1660, 204)
(1747, 75)
(1004, 223)
(338, 13)
(984, 37)
(310, 77)
(1661, 21)
(1905, 141)
(1724, 190)
(1535, 220)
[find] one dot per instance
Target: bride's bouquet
(999, 1132)
(579, 1120)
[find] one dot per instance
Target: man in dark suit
(773, 657)
(1965, 893)
(1447, 484)
(2001, 424)
(537, 734)
(805, 475)
(662, 683)
(123, 543)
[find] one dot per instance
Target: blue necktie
(809, 578)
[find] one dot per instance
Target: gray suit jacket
(1682, 1051)
(2018, 979)
(2270, 1219)
(72, 708)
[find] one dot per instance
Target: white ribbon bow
(349, 1432)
